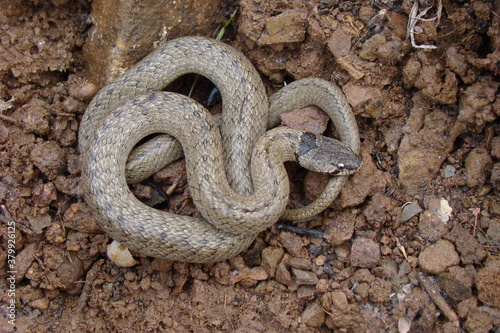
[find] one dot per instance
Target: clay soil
(411, 244)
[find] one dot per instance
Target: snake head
(323, 154)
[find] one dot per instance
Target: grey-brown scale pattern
(235, 207)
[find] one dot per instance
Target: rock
(313, 315)
(477, 164)
(441, 208)
(283, 276)
(301, 263)
(305, 277)
(476, 103)
(306, 292)
(309, 119)
(449, 171)
(466, 306)
(471, 252)
(292, 243)
(478, 321)
(44, 194)
(381, 210)
(34, 117)
(431, 227)
(364, 100)
(409, 211)
(488, 284)
(40, 304)
(339, 228)
(456, 283)
(161, 265)
(49, 157)
(438, 257)
(334, 302)
(124, 32)
(380, 291)
(287, 27)
(339, 43)
(24, 259)
(365, 253)
(271, 256)
(69, 273)
(79, 217)
(423, 148)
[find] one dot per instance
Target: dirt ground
(411, 244)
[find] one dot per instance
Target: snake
(234, 165)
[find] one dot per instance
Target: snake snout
(322, 154)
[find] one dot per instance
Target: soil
(411, 244)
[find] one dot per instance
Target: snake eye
(340, 165)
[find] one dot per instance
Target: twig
(417, 14)
(434, 292)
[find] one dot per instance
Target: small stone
(271, 256)
(334, 301)
(431, 227)
(410, 210)
(471, 252)
(380, 291)
(449, 171)
(69, 273)
(363, 99)
(466, 306)
(145, 283)
(305, 291)
(49, 157)
(287, 27)
(79, 217)
(478, 321)
(365, 252)
(438, 257)
(339, 43)
(476, 165)
(313, 315)
(283, 275)
(300, 263)
(488, 284)
(441, 208)
(309, 119)
(340, 229)
(305, 277)
(40, 304)
(456, 283)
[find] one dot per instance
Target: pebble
(456, 283)
(271, 256)
(380, 291)
(305, 291)
(283, 276)
(365, 253)
(476, 165)
(310, 119)
(79, 217)
(495, 147)
(471, 252)
(49, 157)
(410, 210)
(300, 263)
(488, 284)
(339, 43)
(305, 277)
(437, 257)
(449, 171)
(40, 304)
(493, 233)
(431, 227)
(313, 315)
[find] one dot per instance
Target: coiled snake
(236, 204)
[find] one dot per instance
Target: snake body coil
(252, 193)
